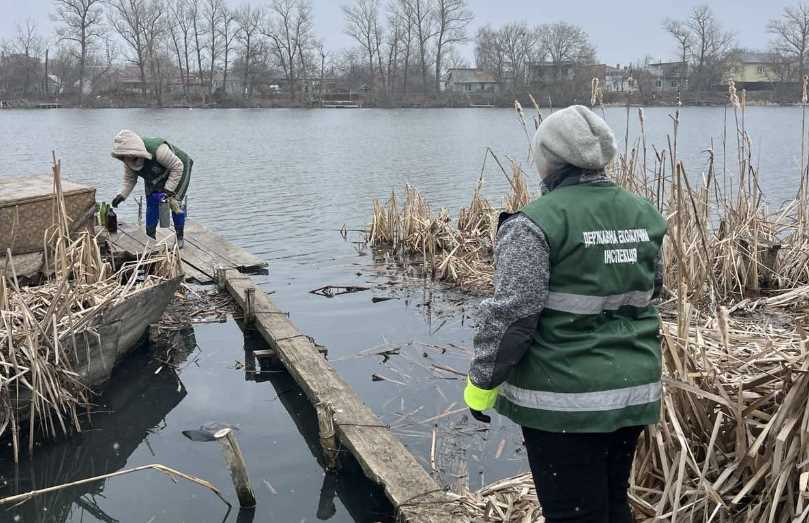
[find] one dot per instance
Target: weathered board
(202, 254)
(383, 458)
(99, 348)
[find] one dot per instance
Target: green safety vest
(594, 364)
(155, 175)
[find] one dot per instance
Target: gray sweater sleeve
(508, 320)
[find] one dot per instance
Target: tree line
(207, 49)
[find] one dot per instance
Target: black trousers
(582, 478)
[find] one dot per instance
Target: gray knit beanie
(573, 136)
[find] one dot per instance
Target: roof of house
(547, 63)
(661, 63)
(756, 57)
(469, 75)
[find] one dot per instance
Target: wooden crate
(27, 210)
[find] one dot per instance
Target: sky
(623, 31)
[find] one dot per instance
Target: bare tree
(250, 20)
(402, 11)
(229, 30)
(682, 35)
(452, 19)
(288, 27)
(213, 17)
(516, 41)
(711, 45)
(180, 30)
(361, 24)
(127, 18)
(393, 43)
(566, 44)
(195, 16)
(489, 55)
(791, 35)
(422, 14)
(137, 22)
(155, 26)
(29, 44)
(81, 23)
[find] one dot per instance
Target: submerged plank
(383, 458)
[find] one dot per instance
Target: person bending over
(166, 173)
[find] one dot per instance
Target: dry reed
(38, 326)
(733, 442)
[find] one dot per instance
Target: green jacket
(594, 362)
(155, 175)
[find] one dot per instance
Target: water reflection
(364, 500)
(133, 407)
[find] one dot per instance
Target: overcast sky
(622, 30)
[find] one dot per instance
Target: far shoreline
(40, 106)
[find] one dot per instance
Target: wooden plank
(383, 458)
(132, 240)
(231, 255)
(202, 253)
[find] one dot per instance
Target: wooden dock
(203, 253)
(207, 257)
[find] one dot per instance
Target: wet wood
(383, 458)
(203, 253)
(238, 469)
(328, 435)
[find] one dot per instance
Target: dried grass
(733, 442)
(38, 326)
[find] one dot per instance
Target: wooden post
(221, 278)
(238, 469)
(140, 210)
(328, 436)
(250, 306)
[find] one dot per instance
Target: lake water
(281, 183)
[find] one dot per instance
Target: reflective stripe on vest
(584, 401)
(582, 304)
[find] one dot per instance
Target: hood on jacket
(128, 143)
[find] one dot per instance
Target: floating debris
(330, 291)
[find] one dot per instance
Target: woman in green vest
(166, 173)
(568, 347)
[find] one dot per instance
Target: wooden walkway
(383, 458)
(207, 257)
(204, 251)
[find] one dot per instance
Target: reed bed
(38, 326)
(456, 251)
(733, 442)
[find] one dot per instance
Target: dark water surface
(281, 183)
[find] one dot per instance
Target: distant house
(470, 81)
(754, 70)
(620, 80)
(545, 72)
(669, 77)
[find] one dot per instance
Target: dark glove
(117, 200)
(481, 417)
